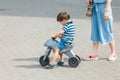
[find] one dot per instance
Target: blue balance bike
(73, 61)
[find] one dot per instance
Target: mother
(102, 22)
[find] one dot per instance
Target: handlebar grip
(53, 38)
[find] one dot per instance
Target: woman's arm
(108, 4)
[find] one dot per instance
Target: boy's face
(63, 22)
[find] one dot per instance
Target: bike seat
(67, 48)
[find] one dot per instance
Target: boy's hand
(58, 34)
(53, 37)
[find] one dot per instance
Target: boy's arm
(58, 34)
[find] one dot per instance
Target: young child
(66, 35)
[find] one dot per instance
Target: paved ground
(26, 24)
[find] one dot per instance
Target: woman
(102, 21)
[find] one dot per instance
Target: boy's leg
(61, 61)
(55, 56)
(61, 57)
(52, 64)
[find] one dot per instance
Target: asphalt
(26, 24)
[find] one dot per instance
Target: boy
(66, 36)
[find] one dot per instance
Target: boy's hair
(63, 16)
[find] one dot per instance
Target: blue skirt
(101, 29)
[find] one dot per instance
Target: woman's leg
(94, 55)
(113, 55)
(95, 48)
(112, 48)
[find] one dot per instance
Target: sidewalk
(21, 45)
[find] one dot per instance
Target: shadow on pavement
(29, 66)
(100, 59)
(31, 60)
(35, 59)
(27, 59)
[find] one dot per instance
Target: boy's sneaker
(60, 63)
(94, 57)
(112, 58)
(50, 66)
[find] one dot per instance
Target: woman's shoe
(92, 57)
(112, 58)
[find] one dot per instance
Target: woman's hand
(87, 2)
(106, 17)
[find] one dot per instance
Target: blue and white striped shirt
(69, 29)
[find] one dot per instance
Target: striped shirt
(69, 29)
